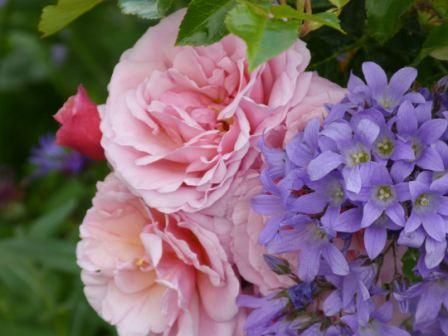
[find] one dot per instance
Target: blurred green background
(40, 290)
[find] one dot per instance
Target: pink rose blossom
(80, 125)
(238, 228)
(319, 92)
(150, 273)
(181, 122)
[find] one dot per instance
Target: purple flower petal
(309, 262)
(401, 169)
(413, 223)
(428, 307)
(349, 221)
(443, 205)
(375, 77)
(332, 304)
(396, 214)
(403, 151)
(267, 205)
(335, 259)
(440, 185)
(430, 160)
(352, 178)
(337, 131)
(374, 240)
(435, 226)
(416, 188)
(432, 130)
(435, 252)
(402, 80)
(413, 239)
(406, 119)
(370, 214)
(402, 190)
(311, 132)
(368, 131)
(312, 203)
(423, 110)
(323, 164)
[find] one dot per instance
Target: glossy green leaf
(204, 22)
(436, 43)
(56, 17)
(146, 9)
(323, 19)
(265, 36)
(384, 17)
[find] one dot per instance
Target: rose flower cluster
(171, 234)
(357, 213)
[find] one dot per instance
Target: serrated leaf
(265, 36)
(56, 17)
(436, 43)
(146, 9)
(384, 17)
(204, 22)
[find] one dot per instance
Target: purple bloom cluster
(49, 157)
(351, 198)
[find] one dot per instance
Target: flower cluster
(352, 198)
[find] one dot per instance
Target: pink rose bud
(80, 125)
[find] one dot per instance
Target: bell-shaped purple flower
(314, 242)
(420, 138)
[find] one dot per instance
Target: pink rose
(80, 125)
(180, 122)
(238, 228)
(319, 91)
(150, 273)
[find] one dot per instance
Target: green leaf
(54, 254)
(384, 17)
(323, 19)
(56, 17)
(436, 43)
(339, 3)
(49, 223)
(409, 260)
(265, 37)
(146, 9)
(204, 22)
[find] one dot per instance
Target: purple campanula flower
(266, 315)
(50, 157)
(419, 137)
(304, 147)
(352, 150)
(378, 324)
(352, 291)
(377, 91)
(329, 193)
(431, 295)
(314, 242)
(272, 204)
(430, 207)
